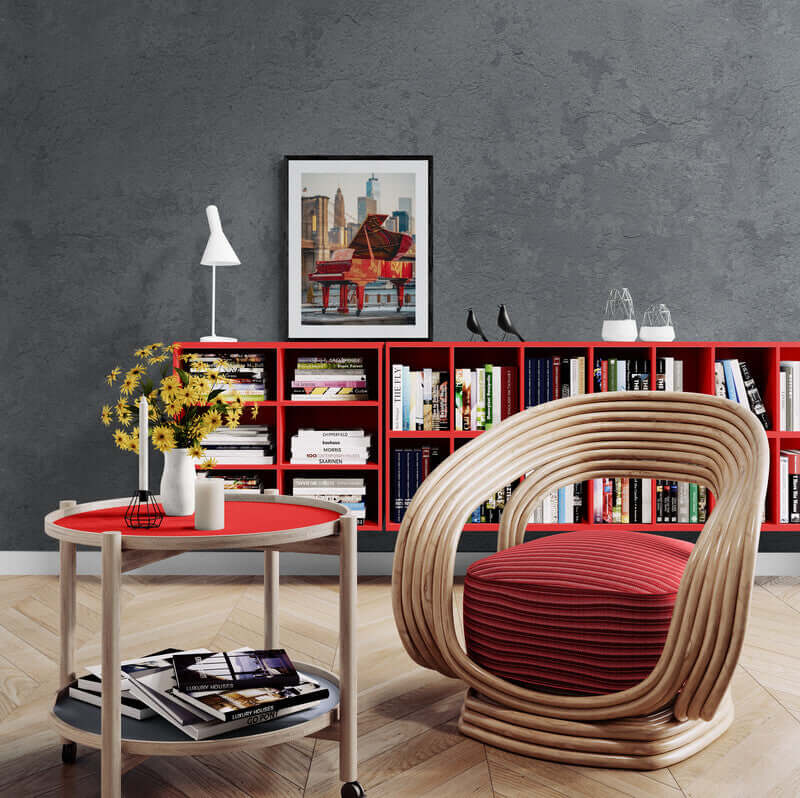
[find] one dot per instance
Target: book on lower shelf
(553, 377)
(420, 399)
(483, 396)
(350, 492)
(733, 380)
(789, 397)
(409, 467)
(565, 505)
(330, 447)
(330, 379)
(789, 492)
(491, 510)
(248, 444)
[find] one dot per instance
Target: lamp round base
(218, 338)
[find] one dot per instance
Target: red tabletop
(241, 518)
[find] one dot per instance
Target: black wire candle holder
(143, 511)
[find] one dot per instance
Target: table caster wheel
(352, 789)
(69, 753)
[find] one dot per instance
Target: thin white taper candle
(143, 421)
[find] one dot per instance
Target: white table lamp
(218, 252)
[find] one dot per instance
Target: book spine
(488, 396)
(604, 376)
(458, 399)
(753, 394)
(702, 504)
(625, 507)
(693, 508)
(617, 514)
(555, 387)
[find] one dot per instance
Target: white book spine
(622, 374)
(574, 389)
(597, 500)
(678, 375)
(782, 407)
(480, 379)
(669, 373)
(719, 380)
(419, 402)
(647, 502)
(497, 389)
(473, 382)
(795, 397)
(683, 502)
(412, 399)
(397, 396)
(738, 380)
(784, 489)
(569, 494)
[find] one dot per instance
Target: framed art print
(359, 246)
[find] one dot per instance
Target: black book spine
(636, 501)
(659, 501)
(565, 385)
(794, 498)
(753, 395)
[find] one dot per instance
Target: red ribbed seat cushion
(579, 612)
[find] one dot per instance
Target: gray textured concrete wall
(578, 145)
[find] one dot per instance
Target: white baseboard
(34, 563)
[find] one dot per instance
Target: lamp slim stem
(213, 299)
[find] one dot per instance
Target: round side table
(269, 523)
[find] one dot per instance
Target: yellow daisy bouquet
(184, 406)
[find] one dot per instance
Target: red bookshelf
(698, 376)
(285, 416)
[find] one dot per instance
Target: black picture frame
(296, 330)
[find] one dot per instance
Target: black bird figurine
(505, 324)
(473, 326)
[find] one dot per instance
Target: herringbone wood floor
(409, 745)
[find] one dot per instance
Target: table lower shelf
(80, 722)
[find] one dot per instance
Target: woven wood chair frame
(684, 703)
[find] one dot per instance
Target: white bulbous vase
(177, 483)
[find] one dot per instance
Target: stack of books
(205, 693)
(244, 370)
(330, 379)
(492, 509)
(548, 378)
(241, 483)
(562, 506)
(484, 396)
(789, 410)
(248, 444)
(420, 399)
(409, 468)
(349, 492)
(617, 374)
(330, 447)
(789, 494)
(733, 380)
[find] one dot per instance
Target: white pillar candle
(209, 503)
(143, 420)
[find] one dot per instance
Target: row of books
(330, 447)
(420, 399)
(337, 379)
(409, 467)
(623, 500)
(244, 370)
(789, 491)
(548, 378)
(633, 374)
(483, 396)
(492, 509)
(205, 693)
(733, 380)
(248, 444)
(789, 408)
(349, 492)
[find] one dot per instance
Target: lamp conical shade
(218, 250)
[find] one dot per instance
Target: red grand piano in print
(371, 256)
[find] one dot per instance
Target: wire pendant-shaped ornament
(143, 511)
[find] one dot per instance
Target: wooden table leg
(272, 575)
(111, 712)
(66, 657)
(348, 572)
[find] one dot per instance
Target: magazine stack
(205, 693)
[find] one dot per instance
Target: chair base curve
(647, 742)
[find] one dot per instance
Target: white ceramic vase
(177, 483)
